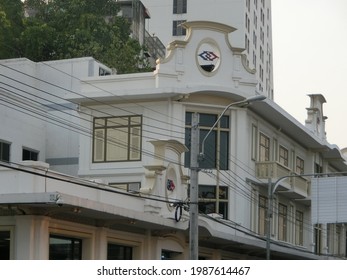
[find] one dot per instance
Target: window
(213, 199)
(261, 53)
(282, 222)
(117, 139)
(263, 205)
(216, 147)
(338, 239)
(248, 4)
(254, 39)
(129, 187)
(177, 28)
(318, 239)
(318, 168)
(261, 72)
(247, 43)
(264, 147)
(5, 237)
(4, 151)
(64, 248)
(254, 141)
(262, 16)
(254, 59)
(179, 6)
(169, 255)
(119, 252)
(299, 169)
(30, 155)
(299, 228)
(283, 156)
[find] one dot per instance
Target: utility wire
(72, 127)
(93, 109)
(93, 99)
(252, 234)
(85, 183)
(246, 195)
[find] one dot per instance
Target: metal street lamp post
(196, 156)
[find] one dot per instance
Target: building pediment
(206, 57)
(204, 61)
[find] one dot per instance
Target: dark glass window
(216, 147)
(283, 156)
(264, 147)
(300, 164)
(177, 28)
(262, 219)
(30, 155)
(4, 151)
(299, 228)
(213, 199)
(179, 6)
(64, 248)
(5, 245)
(282, 222)
(119, 252)
(169, 255)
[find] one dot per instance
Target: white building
(130, 197)
(35, 108)
(251, 18)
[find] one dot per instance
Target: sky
(310, 56)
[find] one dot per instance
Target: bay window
(117, 139)
(216, 149)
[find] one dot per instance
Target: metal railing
(273, 170)
(154, 46)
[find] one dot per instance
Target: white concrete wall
(21, 124)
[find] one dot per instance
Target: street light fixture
(242, 103)
(196, 156)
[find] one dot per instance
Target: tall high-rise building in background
(251, 18)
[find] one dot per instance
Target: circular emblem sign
(208, 57)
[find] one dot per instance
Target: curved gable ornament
(167, 157)
(207, 25)
(164, 177)
(206, 51)
(190, 26)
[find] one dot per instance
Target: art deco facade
(97, 167)
(251, 18)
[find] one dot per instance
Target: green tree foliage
(60, 29)
(11, 26)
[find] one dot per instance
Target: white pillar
(31, 238)
(101, 244)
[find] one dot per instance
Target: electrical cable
(90, 98)
(264, 239)
(93, 109)
(232, 177)
(85, 183)
(69, 124)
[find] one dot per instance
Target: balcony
(293, 188)
(155, 48)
